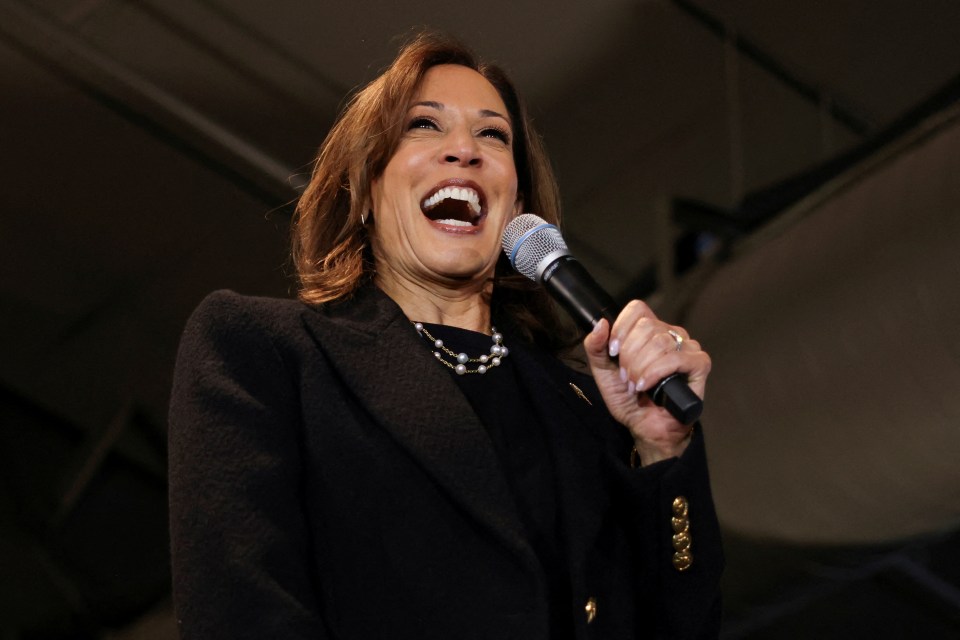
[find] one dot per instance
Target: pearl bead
(493, 359)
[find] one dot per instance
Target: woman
(377, 461)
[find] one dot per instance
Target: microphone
(536, 249)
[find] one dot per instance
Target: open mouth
(454, 205)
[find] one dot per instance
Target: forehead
(455, 85)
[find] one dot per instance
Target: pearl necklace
(497, 352)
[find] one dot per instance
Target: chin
(463, 271)
(461, 260)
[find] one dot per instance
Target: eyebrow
(486, 113)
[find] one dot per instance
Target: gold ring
(677, 337)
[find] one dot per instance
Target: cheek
(408, 163)
(401, 179)
(509, 177)
(376, 193)
(383, 198)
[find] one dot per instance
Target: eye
(422, 122)
(497, 133)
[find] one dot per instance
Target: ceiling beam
(144, 103)
(769, 63)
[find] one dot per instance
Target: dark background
(779, 176)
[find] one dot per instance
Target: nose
(462, 149)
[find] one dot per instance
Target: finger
(635, 312)
(595, 345)
(653, 353)
(694, 365)
(646, 339)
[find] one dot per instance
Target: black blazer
(329, 480)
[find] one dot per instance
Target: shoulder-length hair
(330, 244)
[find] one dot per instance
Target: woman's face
(441, 204)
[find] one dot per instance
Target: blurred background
(781, 177)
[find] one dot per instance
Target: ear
(366, 210)
(517, 206)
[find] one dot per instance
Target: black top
(520, 440)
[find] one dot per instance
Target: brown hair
(331, 248)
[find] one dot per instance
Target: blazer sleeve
(240, 548)
(651, 505)
(673, 518)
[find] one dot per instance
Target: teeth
(464, 194)
(455, 223)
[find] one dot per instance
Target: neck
(466, 305)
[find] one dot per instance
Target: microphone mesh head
(528, 240)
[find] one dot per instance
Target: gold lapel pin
(580, 393)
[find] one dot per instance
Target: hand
(647, 354)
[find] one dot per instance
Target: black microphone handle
(587, 303)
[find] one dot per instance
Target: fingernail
(596, 327)
(641, 385)
(631, 388)
(614, 348)
(623, 375)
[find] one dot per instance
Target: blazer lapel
(579, 435)
(384, 363)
